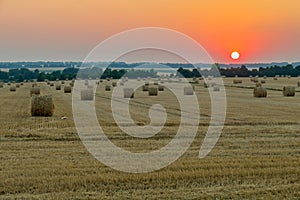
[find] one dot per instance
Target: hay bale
(206, 85)
(17, 85)
(237, 81)
(42, 105)
(58, 87)
(152, 91)
(275, 78)
(258, 85)
(155, 83)
(35, 91)
(162, 81)
(62, 82)
(298, 83)
(114, 84)
(107, 79)
(255, 80)
(147, 83)
(145, 88)
(265, 77)
(86, 82)
(262, 81)
(288, 91)
(122, 83)
(128, 92)
(86, 95)
(260, 92)
(71, 84)
(12, 88)
(67, 89)
(9, 83)
(1, 85)
(188, 90)
(107, 88)
(51, 84)
(160, 88)
(216, 89)
(90, 87)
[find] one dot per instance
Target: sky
(67, 30)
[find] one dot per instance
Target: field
(256, 157)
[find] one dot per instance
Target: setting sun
(235, 55)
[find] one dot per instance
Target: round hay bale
(162, 81)
(260, 92)
(122, 83)
(9, 83)
(206, 85)
(160, 88)
(67, 89)
(298, 83)
(86, 82)
(42, 105)
(71, 84)
(58, 87)
(288, 91)
(12, 88)
(128, 92)
(188, 90)
(145, 88)
(237, 81)
(107, 88)
(255, 80)
(35, 91)
(262, 81)
(275, 78)
(1, 85)
(216, 89)
(147, 83)
(152, 91)
(51, 84)
(62, 82)
(107, 79)
(258, 85)
(114, 84)
(155, 83)
(86, 95)
(90, 87)
(138, 79)
(17, 85)
(265, 77)
(101, 80)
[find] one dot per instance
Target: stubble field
(256, 157)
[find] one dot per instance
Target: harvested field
(256, 157)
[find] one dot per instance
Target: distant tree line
(241, 71)
(21, 74)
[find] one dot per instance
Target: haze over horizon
(261, 31)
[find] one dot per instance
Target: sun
(235, 55)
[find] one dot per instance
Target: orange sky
(261, 30)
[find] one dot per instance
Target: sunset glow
(69, 30)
